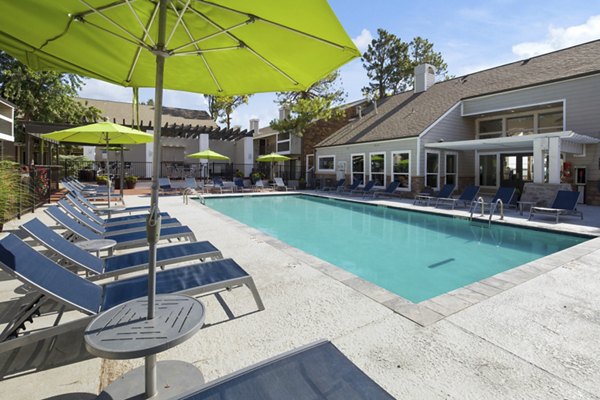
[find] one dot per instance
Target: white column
(554, 160)
(248, 144)
(538, 161)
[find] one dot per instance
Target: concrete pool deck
(531, 332)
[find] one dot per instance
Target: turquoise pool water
(415, 255)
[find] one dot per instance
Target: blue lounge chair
(565, 203)
(103, 229)
(108, 221)
(316, 371)
(367, 189)
(444, 193)
(505, 195)
(124, 240)
(338, 186)
(389, 190)
(96, 195)
(467, 197)
(101, 268)
(219, 185)
(355, 184)
(51, 281)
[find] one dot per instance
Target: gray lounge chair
(100, 268)
(50, 281)
(565, 203)
(125, 219)
(316, 371)
(124, 240)
(279, 184)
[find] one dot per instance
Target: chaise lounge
(565, 203)
(316, 371)
(100, 268)
(51, 281)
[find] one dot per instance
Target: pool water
(413, 254)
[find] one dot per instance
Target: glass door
(516, 169)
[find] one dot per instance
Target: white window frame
(393, 174)
(332, 170)
(364, 173)
(288, 141)
(427, 153)
(455, 154)
(382, 153)
(504, 117)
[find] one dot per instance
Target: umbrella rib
(255, 17)
(134, 39)
(270, 64)
(144, 28)
(212, 35)
(210, 71)
(138, 51)
(179, 20)
(75, 68)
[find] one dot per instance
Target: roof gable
(408, 114)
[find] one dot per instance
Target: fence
(88, 170)
(22, 189)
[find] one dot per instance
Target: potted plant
(102, 180)
(130, 181)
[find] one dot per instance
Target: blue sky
(471, 35)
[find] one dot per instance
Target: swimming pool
(413, 254)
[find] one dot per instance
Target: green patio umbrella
(271, 158)
(101, 134)
(219, 47)
(208, 155)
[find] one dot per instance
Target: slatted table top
(123, 332)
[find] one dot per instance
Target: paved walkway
(532, 335)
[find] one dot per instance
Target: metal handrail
(494, 209)
(473, 206)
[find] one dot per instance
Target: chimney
(359, 111)
(284, 113)
(254, 126)
(424, 77)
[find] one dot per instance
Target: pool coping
(437, 308)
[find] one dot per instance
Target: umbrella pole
(122, 174)
(153, 223)
(107, 174)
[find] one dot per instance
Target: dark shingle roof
(408, 114)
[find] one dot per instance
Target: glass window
(378, 168)
(519, 126)
(432, 176)
(283, 136)
(451, 169)
(401, 169)
(327, 163)
(358, 167)
(490, 128)
(487, 170)
(550, 122)
(283, 146)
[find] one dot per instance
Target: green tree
(386, 61)
(221, 107)
(390, 63)
(44, 96)
(319, 102)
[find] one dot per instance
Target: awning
(514, 142)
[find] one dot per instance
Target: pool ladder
(191, 192)
(492, 209)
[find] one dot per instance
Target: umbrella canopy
(273, 157)
(208, 155)
(101, 133)
(220, 47)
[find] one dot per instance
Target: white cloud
(560, 38)
(363, 40)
